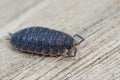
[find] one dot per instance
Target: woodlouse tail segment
(8, 39)
(82, 39)
(10, 36)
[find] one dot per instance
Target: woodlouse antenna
(82, 39)
(69, 54)
(10, 34)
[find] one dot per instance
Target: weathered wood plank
(98, 56)
(9, 10)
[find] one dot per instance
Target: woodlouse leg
(80, 38)
(43, 57)
(31, 55)
(66, 51)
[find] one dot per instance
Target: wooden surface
(98, 21)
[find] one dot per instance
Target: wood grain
(98, 21)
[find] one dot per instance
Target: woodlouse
(45, 41)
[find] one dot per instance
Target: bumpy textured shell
(42, 40)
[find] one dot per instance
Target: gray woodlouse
(45, 41)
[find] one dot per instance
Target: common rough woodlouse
(45, 41)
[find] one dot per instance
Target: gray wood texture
(98, 21)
